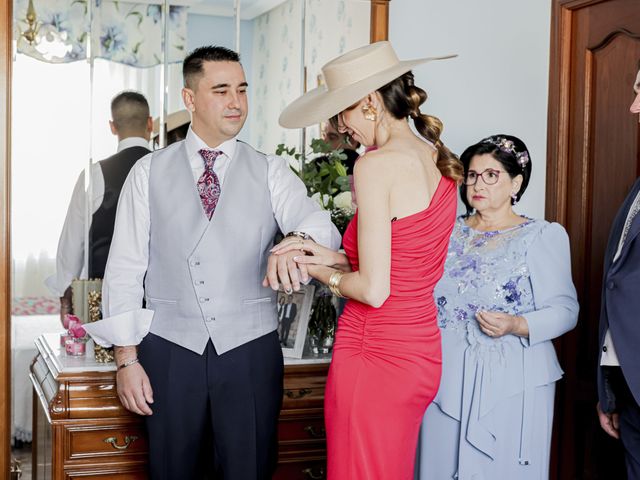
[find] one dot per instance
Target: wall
(499, 82)
(205, 30)
(332, 27)
(277, 73)
(208, 30)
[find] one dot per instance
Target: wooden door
(594, 158)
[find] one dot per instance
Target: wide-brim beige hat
(348, 79)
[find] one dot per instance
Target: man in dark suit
(132, 124)
(619, 364)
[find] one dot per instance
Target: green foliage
(322, 170)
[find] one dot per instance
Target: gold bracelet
(334, 283)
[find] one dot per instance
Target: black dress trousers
(214, 416)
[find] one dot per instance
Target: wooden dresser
(81, 431)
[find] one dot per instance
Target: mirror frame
(379, 31)
(6, 46)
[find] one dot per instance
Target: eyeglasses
(489, 176)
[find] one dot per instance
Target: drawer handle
(128, 440)
(303, 392)
(311, 473)
(310, 429)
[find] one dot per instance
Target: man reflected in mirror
(132, 125)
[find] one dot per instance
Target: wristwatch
(302, 235)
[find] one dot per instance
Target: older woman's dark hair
(509, 151)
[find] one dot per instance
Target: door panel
(594, 158)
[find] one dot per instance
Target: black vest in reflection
(114, 170)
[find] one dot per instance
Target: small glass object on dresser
(76, 346)
(76, 338)
(64, 336)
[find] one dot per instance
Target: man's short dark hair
(130, 112)
(192, 65)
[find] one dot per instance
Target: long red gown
(386, 361)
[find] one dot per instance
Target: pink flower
(68, 318)
(77, 330)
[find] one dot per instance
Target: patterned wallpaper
(276, 72)
(331, 27)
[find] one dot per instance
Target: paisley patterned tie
(208, 183)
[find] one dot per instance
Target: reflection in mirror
(72, 57)
(282, 70)
(332, 27)
(276, 72)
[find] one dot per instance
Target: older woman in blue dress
(505, 294)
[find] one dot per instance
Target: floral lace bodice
(485, 271)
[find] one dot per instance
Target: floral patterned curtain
(123, 32)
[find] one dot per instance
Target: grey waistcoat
(204, 279)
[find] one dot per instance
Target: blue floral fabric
(485, 271)
(123, 32)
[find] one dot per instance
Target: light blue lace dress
(492, 416)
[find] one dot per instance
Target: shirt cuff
(128, 328)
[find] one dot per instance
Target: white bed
(24, 330)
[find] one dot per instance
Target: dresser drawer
(309, 429)
(111, 441)
(121, 472)
(302, 470)
(303, 396)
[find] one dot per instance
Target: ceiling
(249, 9)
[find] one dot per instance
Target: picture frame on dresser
(294, 310)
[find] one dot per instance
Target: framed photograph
(293, 318)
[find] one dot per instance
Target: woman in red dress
(386, 360)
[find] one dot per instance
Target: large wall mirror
(62, 63)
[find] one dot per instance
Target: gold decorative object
(94, 300)
(86, 296)
(80, 290)
(31, 33)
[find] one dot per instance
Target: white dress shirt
(70, 257)
(125, 323)
(609, 356)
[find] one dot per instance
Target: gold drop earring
(369, 112)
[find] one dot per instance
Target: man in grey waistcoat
(619, 366)
(194, 228)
